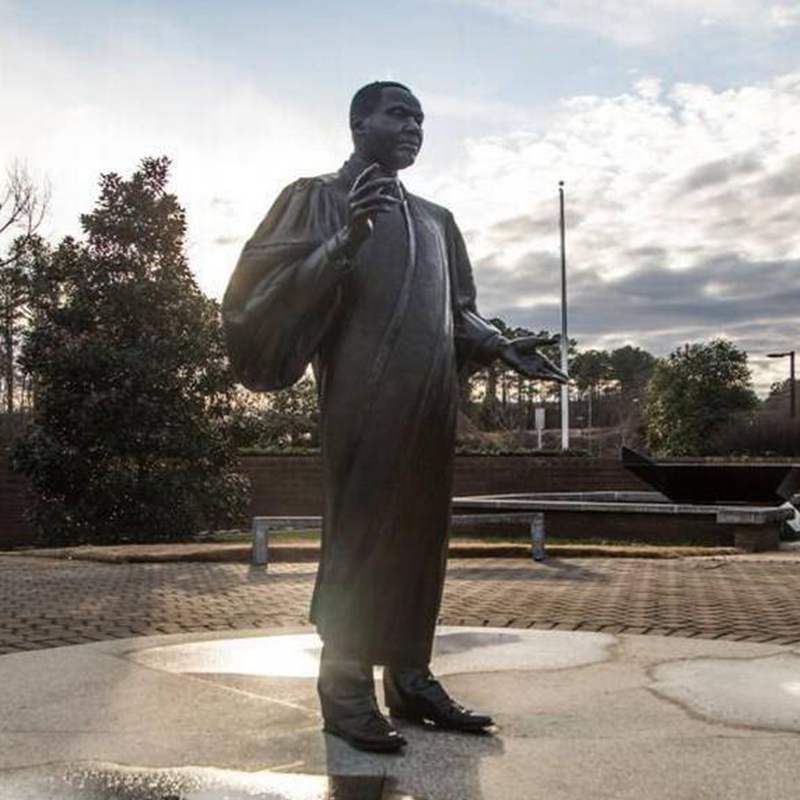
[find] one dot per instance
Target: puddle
(448, 644)
(115, 782)
(755, 692)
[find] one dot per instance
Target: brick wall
(14, 500)
(290, 485)
(293, 484)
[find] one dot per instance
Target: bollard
(260, 554)
(537, 537)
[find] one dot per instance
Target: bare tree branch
(22, 208)
(23, 205)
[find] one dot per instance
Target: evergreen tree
(632, 367)
(130, 438)
(694, 393)
(18, 270)
(507, 399)
(278, 420)
(590, 369)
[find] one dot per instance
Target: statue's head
(386, 123)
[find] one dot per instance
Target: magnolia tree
(131, 436)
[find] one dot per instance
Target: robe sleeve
(477, 341)
(285, 291)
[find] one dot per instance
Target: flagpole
(564, 339)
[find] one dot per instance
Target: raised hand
(523, 357)
(369, 196)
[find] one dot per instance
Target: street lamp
(789, 353)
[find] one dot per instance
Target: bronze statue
(373, 287)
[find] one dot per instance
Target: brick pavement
(50, 603)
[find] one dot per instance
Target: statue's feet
(367, 731)
(415, 695)
(349, 708)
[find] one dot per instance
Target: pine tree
(130, 438)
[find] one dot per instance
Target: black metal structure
(720, 484)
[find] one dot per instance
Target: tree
(507, 398)
(632, 368)
(779, 400)
(18, 276)
(23, 205)
(694, 393)
(285, 419)
(130, 437)
(590, 369)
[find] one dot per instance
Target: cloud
(474, 109)
(233, 147)
(682, 216)
(754, 305)
(682, 200)
(721, 171)
(524, 226)
(785, 16)
(74, 115)
(642, 23)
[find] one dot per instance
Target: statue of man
(372, 286)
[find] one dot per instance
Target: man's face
(392, 133)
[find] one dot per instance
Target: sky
(675, 125)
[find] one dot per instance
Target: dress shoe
(349, 708)
(415, 695)
(371, 732)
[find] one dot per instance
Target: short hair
(366, 99)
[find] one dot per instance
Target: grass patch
(487, 537)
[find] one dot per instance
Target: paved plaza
(234, 716)
(196, 679)
(53, 602)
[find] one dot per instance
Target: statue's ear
(357, 126)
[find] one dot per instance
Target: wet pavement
(116, 782)
(212, 716)
(761, 692)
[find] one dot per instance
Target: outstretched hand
(523, 357)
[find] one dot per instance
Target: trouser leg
(349, 708)
(345, 686)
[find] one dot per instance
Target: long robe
(386, 338)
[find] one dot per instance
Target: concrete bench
(264, 526)
(618, 515)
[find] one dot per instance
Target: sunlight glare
(292, 656)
